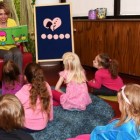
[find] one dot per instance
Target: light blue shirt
(127, 131)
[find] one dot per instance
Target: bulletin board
(53, 31)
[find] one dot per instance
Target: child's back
(128, 126)
(12, 80)
(76, 96)
(106, 80)
(12, 119)
(103, 77)
(36, 98)
(35, 119)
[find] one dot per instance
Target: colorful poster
(13, 35)
(53, 31)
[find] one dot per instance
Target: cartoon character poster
(13, 35)
(53, 32)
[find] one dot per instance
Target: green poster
(13, 35)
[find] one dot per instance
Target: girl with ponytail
(106, 80)
(36, 97)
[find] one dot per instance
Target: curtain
(26, 15)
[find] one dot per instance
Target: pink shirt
(34, 119)
(76, 96)
(103, 77)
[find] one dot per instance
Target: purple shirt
(12, 89)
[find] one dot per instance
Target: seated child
(106, 80)
(12, 80)
(76, 96)
(36, 98)
(12, 119)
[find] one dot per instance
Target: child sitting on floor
(12, 119)
(36, 98)
(106, 80)
(76, 96)
(12, 80)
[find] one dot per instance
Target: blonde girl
(36, 98)
(128, 126)
(106, 80)
(73, 75)
(12, 119)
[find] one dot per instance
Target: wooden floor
(52, 75)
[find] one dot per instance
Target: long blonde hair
(130, 104)
(11, 113)
(73, 65)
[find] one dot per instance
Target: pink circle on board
(43, 36)
(67, 36)
(49, 36)
(61, 36)
(55, 36)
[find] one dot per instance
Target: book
(13, 35)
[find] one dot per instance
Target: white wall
(81, 7)
(39, 2)
(130, 7)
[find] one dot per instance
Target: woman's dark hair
(10, 73)
(11, 113)
(4, 6)
(108, 63)
(35, 76)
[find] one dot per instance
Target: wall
(118, 38)
(81, 7)
(130, 7)
(38, 2)
(127, 7)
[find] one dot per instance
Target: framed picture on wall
(53, 31)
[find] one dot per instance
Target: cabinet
(119, 38)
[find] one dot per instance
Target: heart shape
(52, 24)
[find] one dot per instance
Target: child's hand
(17, 43)
(93, 81)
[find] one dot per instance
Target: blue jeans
(12, 54)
